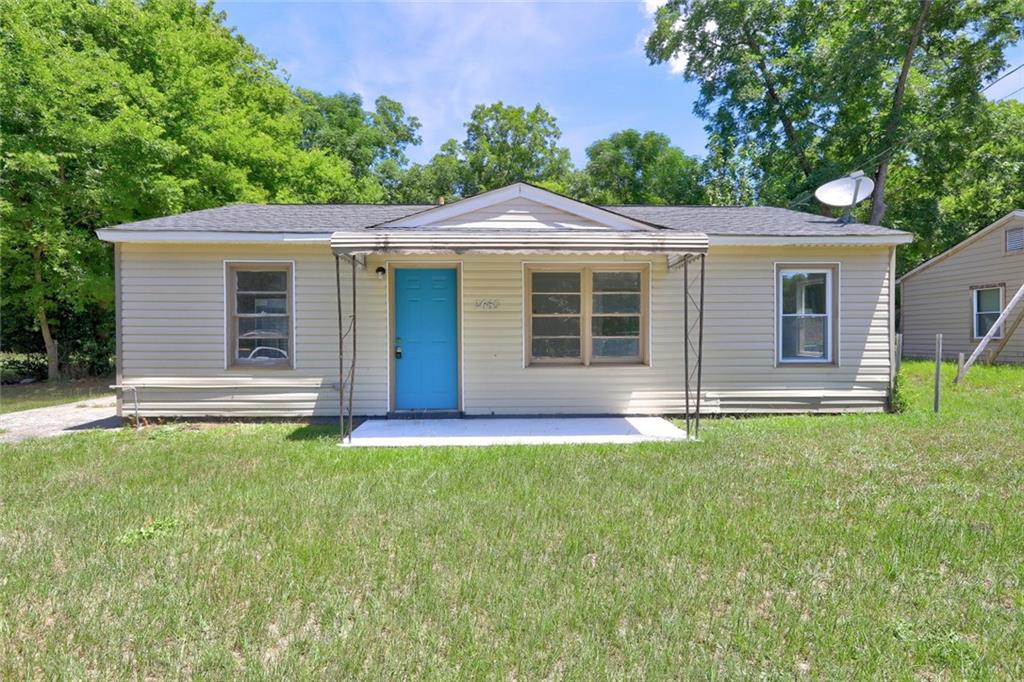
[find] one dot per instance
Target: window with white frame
(806, 315)
(988, 304)
(260, 323)
(586, 315)
(1015, 240)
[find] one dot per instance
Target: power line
(1011, 94)
(1014, 70)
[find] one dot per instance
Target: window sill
(260, 368)
(580, 365)
(805, 363)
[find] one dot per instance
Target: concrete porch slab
(382, 433)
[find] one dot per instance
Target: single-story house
(961, 292)
(517, 301)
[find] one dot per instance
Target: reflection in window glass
(556, 310)
(587, 315)
(261, 325)
(805, 316)
(988, 304)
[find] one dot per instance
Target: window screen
(261, 321)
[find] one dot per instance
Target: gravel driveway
(56, 420)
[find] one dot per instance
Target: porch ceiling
(421, 241)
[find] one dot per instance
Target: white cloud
(677, 62)
(440, 60)
(651, 6)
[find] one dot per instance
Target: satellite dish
(846, 192)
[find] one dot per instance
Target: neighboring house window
(1015, 240)
(806, 314)
(260, 324)
(988, 304)
(587, 315)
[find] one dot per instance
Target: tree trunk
(787, 123)
(52, 358)
(878, 200)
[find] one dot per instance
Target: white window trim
(974, 310)
(812, 267)
(228, 264)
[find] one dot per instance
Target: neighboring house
(961, 292)
(515, 301)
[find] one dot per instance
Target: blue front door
(426, 337)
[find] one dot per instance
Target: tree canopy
(808, 91)
(129, 109)
(119, 111)
(630, 167)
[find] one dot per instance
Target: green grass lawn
(16, 397)
(830, 547)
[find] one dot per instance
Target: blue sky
(584, 62)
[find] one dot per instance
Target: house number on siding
(487, 303)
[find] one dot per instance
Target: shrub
(898, 401)
(14, 367)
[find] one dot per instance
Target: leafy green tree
(506, 144)
(445, 175)
(503, 144)
(947, 192)
(366, 139)
(811, 90)
(630, 167)
(117, 111)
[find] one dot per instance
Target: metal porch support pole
(700, 343)
(352, 372)
(686, 339)
(341, 352)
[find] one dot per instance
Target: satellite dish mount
(846, 192)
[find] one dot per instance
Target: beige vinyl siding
(938, 298)
(173, 343)
(519, 213)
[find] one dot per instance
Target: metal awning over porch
(681, 249)
(582, 242)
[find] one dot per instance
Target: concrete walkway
(56, 420)
(532, 431)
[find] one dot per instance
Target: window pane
(617, 348)
(615, 326)
(985, 322)
(556, 326)
(270, 280)
(263, 326)
(556, 281)
(988, 300)
(616, 303)
(616, 281)
(805, 338)
(555, 304)
(262, 350)
(556, 348)
(262, 304)
(804, 292)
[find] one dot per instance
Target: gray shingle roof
(323, 218)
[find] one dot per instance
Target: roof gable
(520, 207)
(1015, 216)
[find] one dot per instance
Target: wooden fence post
(938, 371)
